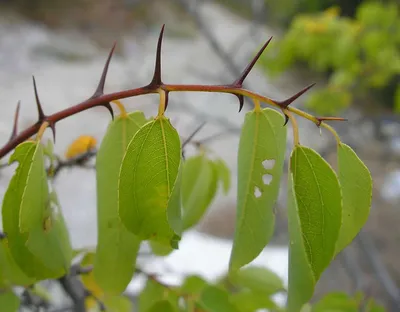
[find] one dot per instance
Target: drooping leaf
(154, 292)
(257, 279)
(260, 166)
(356, 183)
(215, 299)
(149, 190)
(224, 174)
(315, 209)
(9, 302)
(199, 186)
(249, 301)
(117, 248)
(35, 199)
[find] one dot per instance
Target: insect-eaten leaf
(260, 167)
(356, 184)
(149, 183)
(117, 247)
(36, 233)
(199, 186)
(315, 212)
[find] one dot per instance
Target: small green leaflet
(224, 174)
(149, 183)
(199, 186)
(215, 299)
(249, 301)
(315, 212)
(160, 249)
(257, 279)
(163, 305)
(356, 182)
(260, 167)
(23, 201)
(9, 302)
(154, 292)
(117, 248)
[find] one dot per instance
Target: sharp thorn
(156, 81)
(100, 87)
(39, 106)
(249, 67)
(52, 126)
(15, 125)
(286, 119)
(241, 101)
(287, 102)
(108, 106)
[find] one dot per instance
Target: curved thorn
(250, 66)
(166, 100)
(108, 106)
(52, 126)
(286, 119)
(15, 125)
(39, 106)
(156, 81)
(100, 87)
(287, 102)
(241, 101)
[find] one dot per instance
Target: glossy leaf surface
(260, 166)
(315, 210)
(117, 248)
(356, 183)
(199, 186)
(149, 195)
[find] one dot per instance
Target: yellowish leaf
(81, 145)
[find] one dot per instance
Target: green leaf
(248, 301)
(154, 292)
(28, 193)
(163, 305)
(224, 174)
(257, 279)
(10, 272)
(9, 302)
(160, 249)
(149, 183)
(314, 222)
(336, 302)
(199, 186)
(356, 183)
(118, 304)
(193, 285)
(260, 160)
(214, 299)
(117, 248)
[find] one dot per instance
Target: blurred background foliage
(360, 56)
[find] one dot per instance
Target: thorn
(286, 119)
(241, 101)
(108, 106)
(249, 67)
(100, 87)
(42, 116)
(156, 81)
(287, 102)
(15, 126)
(52, 126)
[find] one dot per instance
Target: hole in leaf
(268, 163)
(267, 178)
(257, 192)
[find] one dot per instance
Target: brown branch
(156, 84)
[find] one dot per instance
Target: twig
(78, 161)
(75, 290)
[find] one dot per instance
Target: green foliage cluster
(361, 55)
(148, 193)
